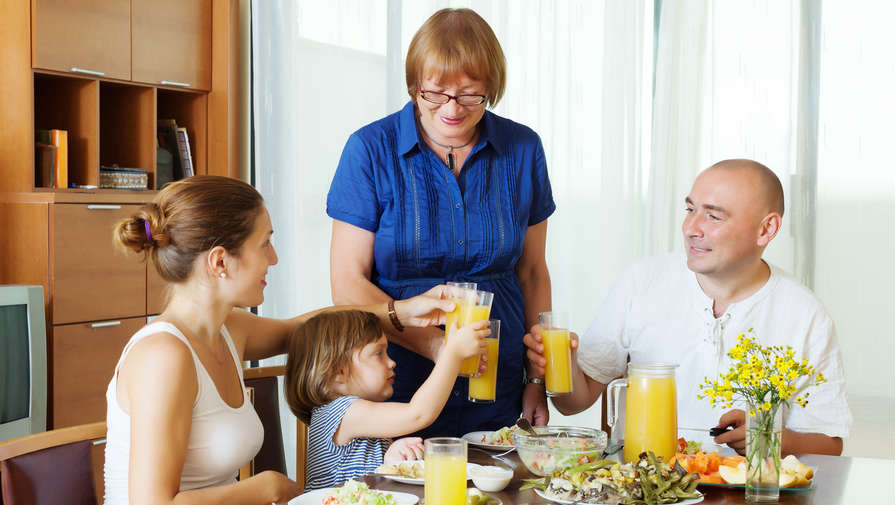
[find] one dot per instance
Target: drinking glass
(463, 297)
(479, 310)
(464, 285)
(558, 353)
(483, 388)
(445, 482)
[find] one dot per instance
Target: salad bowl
(557, 448)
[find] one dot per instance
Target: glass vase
(763, 442)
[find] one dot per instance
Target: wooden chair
(50, 467)
(264, 393)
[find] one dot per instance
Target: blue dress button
(460, 242)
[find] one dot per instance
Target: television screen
(15, 363)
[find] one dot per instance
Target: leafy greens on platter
(647, 481)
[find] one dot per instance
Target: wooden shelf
(127, 127)
(190, 110)
(71, 104)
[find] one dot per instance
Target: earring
(223, 275)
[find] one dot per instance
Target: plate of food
(410, 472)
(500, 440)
(607, 481)
(475, 496)
(354, 493)
(730, 471)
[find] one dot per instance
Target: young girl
(338, 378)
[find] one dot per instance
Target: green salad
(648, 481)
(357, 493)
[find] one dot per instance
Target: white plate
(419, 481)
(569, 502)
(315, 497)
(475, 438)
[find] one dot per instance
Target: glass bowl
(556, 448)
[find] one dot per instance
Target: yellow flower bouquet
(765, 379)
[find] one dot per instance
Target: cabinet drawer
(84, 358)
(93, 279)
(172, 42)
(87, 35)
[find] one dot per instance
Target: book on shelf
(58, 139)
(186, 156)
(44, 165)
(167, 139)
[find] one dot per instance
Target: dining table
(838, 480)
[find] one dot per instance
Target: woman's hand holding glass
(427, 309)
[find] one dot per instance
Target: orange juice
(445, 479)
(558, 373)
(484, 388)
(453, 316)
(650, 417)
(472, 313)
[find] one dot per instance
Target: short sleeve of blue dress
(431, 227)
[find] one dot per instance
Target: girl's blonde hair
(318, 350)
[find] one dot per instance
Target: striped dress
(330, 465)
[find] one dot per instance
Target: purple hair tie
(148, 233)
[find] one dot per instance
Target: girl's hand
(406, 448)
(469, 340)
(427, 309)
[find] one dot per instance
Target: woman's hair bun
(142, 231)
(188, 217)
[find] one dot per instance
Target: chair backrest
(50, 467)
(266, 399)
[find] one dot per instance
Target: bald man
(689, 309)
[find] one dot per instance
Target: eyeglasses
(443, 98)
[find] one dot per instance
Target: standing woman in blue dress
(446, 190)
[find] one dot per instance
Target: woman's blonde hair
(318, 350)
(188, 217)
(453, 41)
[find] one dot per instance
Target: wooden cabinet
(91, 37)
(97, 296)
(172, 42)
(84, 358)
(93, 279)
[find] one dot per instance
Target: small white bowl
(490, 478)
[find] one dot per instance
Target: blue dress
(431, 227)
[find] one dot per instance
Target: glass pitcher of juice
(650, 409)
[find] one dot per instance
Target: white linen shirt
(657, 313)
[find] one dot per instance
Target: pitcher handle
(612, 400)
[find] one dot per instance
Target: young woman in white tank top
(179, 421)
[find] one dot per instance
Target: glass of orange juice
(471, 306)
(557, 352)
(650, 409)
(463, 294)
(445, 468)
(483, 389)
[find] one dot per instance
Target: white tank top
(222, 438)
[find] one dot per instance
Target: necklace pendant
(451, 161)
